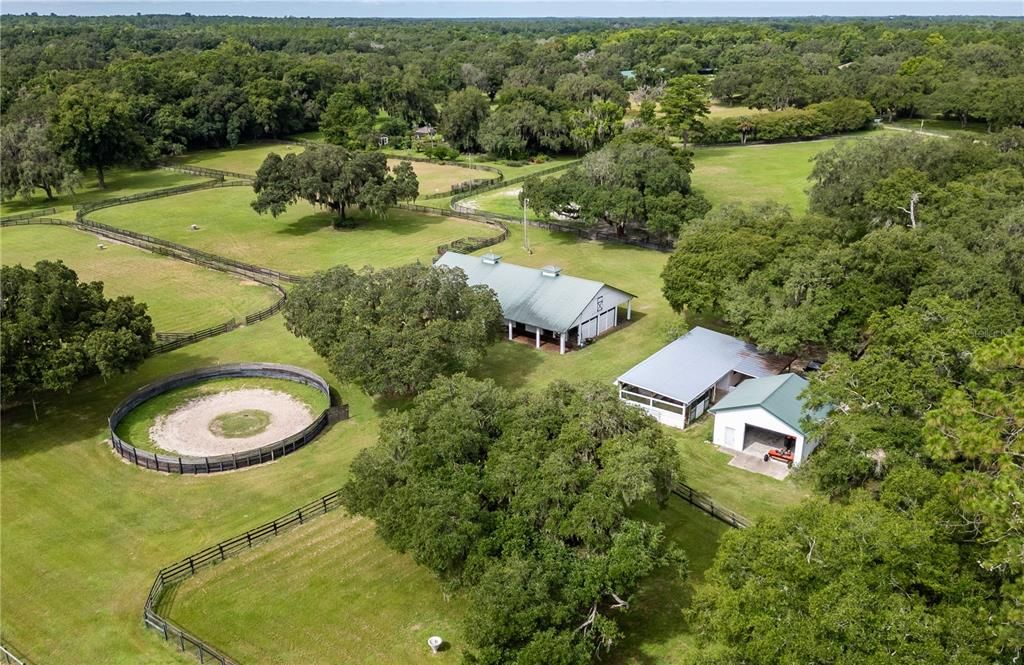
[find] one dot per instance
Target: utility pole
(526, 236)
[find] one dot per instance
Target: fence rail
(168, 248)
(705, 503)
(212, 555)
(171, 341)
(208, 172)
(29, 215)
(83, 209)
(8, 656)
(232, 461)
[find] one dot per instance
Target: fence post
(300, 515)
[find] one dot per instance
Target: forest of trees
(130, 89)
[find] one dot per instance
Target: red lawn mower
(784, 454)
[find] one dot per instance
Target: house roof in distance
(778, 395)
(537, 297)
(687, 367)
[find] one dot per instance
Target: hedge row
(834, 117)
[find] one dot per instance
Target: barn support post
(510, 331)
(538, 338)
(629, 309)
(561, 343)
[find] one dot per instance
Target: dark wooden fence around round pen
(232, 461)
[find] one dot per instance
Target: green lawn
(85, 532)
(706, 469)
(180, 296)
(504, 201)
(328, 587)
(301, 241)
(135, 427)
(755, 173)
(940, 126)
(244, 158)
(120, 182)
(434, 178)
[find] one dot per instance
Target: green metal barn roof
(544, 298)
(778, 395)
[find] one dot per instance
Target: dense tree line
(58, 330)
(908, 272)
(130, 89)
(891, 220)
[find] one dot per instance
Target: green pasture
(434, 178)
(180, 296)
(86, 531)
(135, 427)
(754, 173)
(301, 241)
(337, 593)
(120, 182)
(244, 158)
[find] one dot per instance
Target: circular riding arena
(228, 429)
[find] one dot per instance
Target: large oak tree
(523, 501)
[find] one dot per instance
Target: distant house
(766, 413)
(425, 131)
(543, 303)
(677, 384)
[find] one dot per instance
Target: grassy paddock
(86, 532)
(135, 427)
(301, 240)
(120, 182)
(434, 178)
(329, 587)
(180, 296)
(755, 173)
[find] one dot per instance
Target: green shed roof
(779, 395)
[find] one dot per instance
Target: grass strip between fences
(181, 570)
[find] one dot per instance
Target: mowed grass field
(180, 296)
(755, 173)
(120, 182)
(433, 178)
(301, 241)
(86, 532)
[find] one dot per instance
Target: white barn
(680, 382)
(766, 413)
(543, 303)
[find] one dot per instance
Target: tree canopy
(891, 220)
(391, 331)
(522, 501)
(335, 178)
(637, 183)
(58, 331)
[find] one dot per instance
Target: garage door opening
(759, 441)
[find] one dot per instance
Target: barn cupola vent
(551, 271)
(490, 258)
